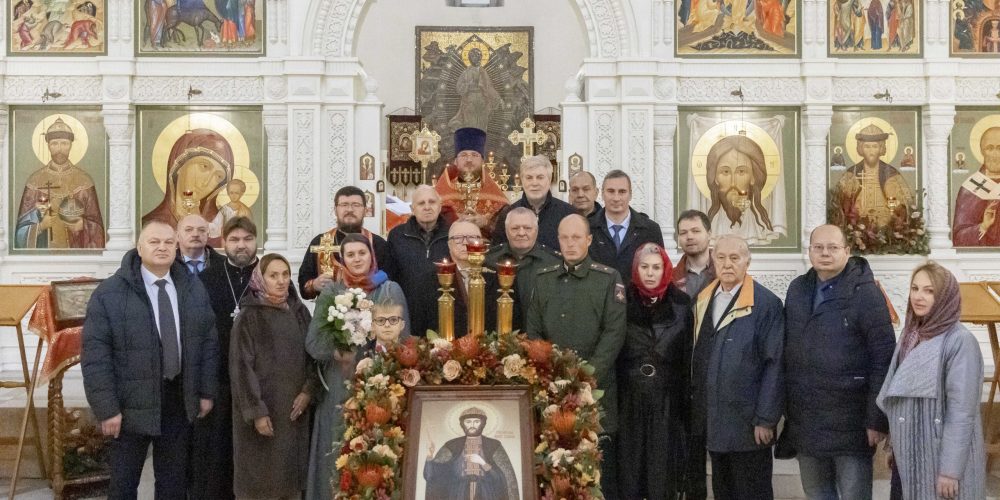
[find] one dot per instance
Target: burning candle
(445, 267)
(506, 268)
(476, 245)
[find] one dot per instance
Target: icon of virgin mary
(199, 167)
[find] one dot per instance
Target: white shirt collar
(733, 292)
(624, 223)
(150, 279)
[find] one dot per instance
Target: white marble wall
(322, 109)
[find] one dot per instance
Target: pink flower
(451, 370)
(410, 377)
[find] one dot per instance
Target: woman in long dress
(653, 369)
(931, 396)
(360, 271)
(273, 380)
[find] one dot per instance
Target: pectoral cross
(980, 186)
(527, 137)
(48, 187)
(326, 253)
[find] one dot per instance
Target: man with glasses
(459, 234)
(838, 345)
(470, 149)
(349, 207)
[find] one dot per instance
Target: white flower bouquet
(348, 319)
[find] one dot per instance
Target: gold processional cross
(527, 137)
(326, 253)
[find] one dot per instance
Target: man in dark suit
(149, 362)
(193, 249)
(618, 229)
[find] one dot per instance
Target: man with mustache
(978, 199)
(59, 207)
(470, 149)
(212, 438)
(349, 207)
(192, 245)
(472, 467)
(736, 174)
(536, 179)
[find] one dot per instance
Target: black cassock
(653, 378)
(447, 480)
(211, 464)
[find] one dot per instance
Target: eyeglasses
(352, 206)
(391, 320)
(829, 248)
(458, 238)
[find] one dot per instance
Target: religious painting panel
(551, 126)
(201, 160)
(722, 28)
(475, 77)
(191, 28)
(873, 178)
(56, 28)
(975, 178)
(58, 179)
(403, 174)
(975, 28)
(459, 429)
(875, 28)
(739, 167)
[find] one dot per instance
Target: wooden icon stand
(15, 302)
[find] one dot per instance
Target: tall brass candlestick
(505, 304)
(477, 287)
(446, 306)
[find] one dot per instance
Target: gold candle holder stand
(446, 307)
(477, 293)
(505, 304)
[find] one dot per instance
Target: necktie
(194, 266)
(617, 236)
(168, 333)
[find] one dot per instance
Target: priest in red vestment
(470, 148)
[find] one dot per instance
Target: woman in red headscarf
(198, 168)
(653, 374)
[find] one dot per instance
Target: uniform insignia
(549, 269)
(619, 293)
(600, 267)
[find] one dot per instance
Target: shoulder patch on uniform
(619, 293)
(549, 269)
(601, 267)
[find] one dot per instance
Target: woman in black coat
(653, 374)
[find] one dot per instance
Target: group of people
(215, 360)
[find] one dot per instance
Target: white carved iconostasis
(333, 70)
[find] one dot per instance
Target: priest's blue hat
(470, 139)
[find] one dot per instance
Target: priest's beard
(349, 228)
(241, 259)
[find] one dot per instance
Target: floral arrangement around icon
(905, 233)
(564, 406)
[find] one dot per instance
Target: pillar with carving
(937, 123)
(119, 122)
(664, 129)
(816, 120)
(3, 154)
(276, 127)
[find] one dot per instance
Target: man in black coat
(149, 362)
(212, 437)
(414, 247)
(618, 229)
(192, 245)
(583, 194)
(349, 207)
(838, 345)
(536, 179)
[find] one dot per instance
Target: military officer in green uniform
(580, 304)
(523, 250)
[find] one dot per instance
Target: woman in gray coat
(931, 395)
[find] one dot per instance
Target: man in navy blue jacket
(838, 346)
(149, 363)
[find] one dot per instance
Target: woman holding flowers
(653, 369)
(341, 329)
(273, 383)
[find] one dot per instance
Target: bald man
(149, 360)
(192, 245)
(580, 305)
(736, 384)
(414, 247)
(838, 345)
